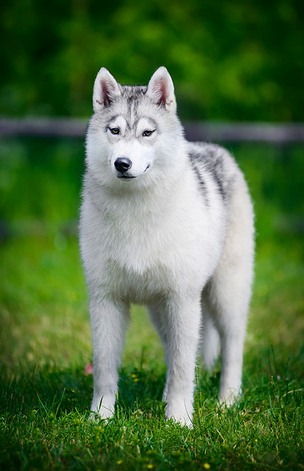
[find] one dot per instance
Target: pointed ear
(105, 89)
(161, 89)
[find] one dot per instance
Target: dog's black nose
(123, 164)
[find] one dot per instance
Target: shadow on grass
(140, 389)
(50, 390)
(44, 389)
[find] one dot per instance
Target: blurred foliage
(236, 60)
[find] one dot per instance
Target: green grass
(45, 339)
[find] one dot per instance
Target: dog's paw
(100, 416)
(180, 413)
(184, 421)
(100, 410)
(94, 417)
(229, 396)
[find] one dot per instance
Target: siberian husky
(169, 224)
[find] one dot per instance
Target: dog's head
(133, 129)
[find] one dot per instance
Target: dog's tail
(210, 343)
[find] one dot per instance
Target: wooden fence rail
(195, 131)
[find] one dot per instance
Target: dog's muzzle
(122, 166)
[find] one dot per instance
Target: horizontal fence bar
(195, 131)
(247, 132)
(44, 127)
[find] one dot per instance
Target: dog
(168, 224)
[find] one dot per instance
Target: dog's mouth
(126, 176)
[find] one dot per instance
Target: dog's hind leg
(229, 307)
(229, 293)
(160, 321)
(160, 318)
(210, 339)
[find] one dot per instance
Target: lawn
(45, 339)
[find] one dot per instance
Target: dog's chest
(144, 286)
(146, 249)
(146, 258)
(140, 242)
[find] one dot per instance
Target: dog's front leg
(109, 321)
(182, 343)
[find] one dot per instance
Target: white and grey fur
(168, 224)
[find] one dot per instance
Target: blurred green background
(230, 60)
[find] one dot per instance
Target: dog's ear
(161, 89)
(105, 89)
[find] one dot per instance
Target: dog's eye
(114, 131)
(148, 133)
